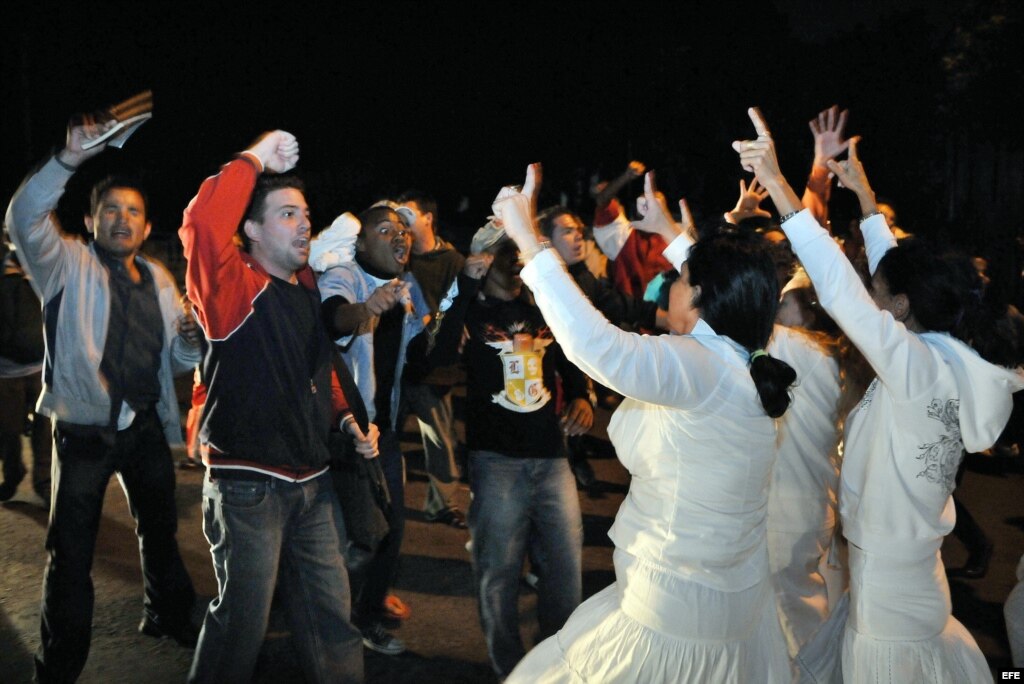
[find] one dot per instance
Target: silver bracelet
(789, 216)
(865, 217)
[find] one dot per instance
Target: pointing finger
(760, 125)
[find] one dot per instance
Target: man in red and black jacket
(270, 512)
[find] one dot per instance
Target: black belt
(238, 474)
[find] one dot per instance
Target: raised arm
(896, 354)
(626, 362)
(828, 129)
(218, 281)
(607, 192)
(878, 238)
(31, 220)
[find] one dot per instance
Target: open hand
(828, 130)
(748, 205)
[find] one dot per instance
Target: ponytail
(772, 378)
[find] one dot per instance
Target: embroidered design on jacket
(942, 458)
(869, 394)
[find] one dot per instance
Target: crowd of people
(794, 415)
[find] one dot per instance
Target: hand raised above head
(852, 176)
(748, 205)
(758, 155)
(635, 169)
(828, 128)
(81, 130)
(517, 214)
(533, 182)
(654, 209)
(278, 151)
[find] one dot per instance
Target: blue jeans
(375, 574)
(268, 532)
(84, 463)
(520, 503)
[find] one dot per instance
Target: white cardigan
(933, 396)
(693, 434)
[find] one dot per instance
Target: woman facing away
(692, 601)
(933, 396)
(802, 502)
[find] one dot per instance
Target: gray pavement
(443, 635)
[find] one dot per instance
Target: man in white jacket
(116, 334)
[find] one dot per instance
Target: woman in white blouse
(932, 397)
(692, 601)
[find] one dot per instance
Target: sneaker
(376, 638)
(452, 517)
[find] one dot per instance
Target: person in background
(21, 365)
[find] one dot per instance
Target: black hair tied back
(772, 378)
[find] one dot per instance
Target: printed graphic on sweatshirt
(522, 362)
(942, 458)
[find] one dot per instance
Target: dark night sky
(457, 103)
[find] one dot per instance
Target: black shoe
(452, 517)
(976, 566)
(14, 473)
(7, 490)
(376, 638)
(185, 634)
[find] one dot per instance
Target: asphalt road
(443, 635)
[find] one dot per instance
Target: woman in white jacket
(692, 601)
(933, 396)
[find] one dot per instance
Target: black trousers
(84, 463)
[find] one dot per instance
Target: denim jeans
(84, 463)
(520, 503)
(374, 575)
(265, 533)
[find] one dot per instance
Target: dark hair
(426, 203)
(374, 214)
(546, 219)
(930, 280)
(947, 294)
(739, 296)
(116, 181)
(267, 183)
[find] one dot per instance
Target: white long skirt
(896, 626)
(653, 626)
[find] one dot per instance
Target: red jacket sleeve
(338, 400)
(217, 280)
